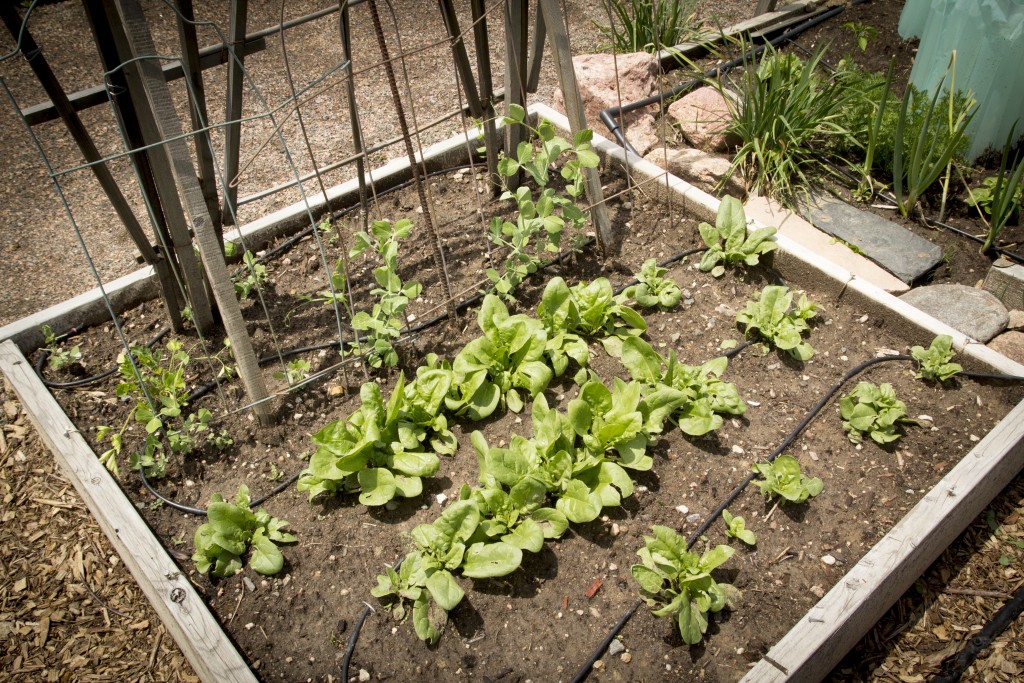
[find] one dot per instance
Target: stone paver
(770, 212)
(898, 250)
(972, 311)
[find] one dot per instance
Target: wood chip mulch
(69, 609)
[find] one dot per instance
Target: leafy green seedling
(936, 361)
(873, 411)
(541, 219)
(232, 530)
(784, 479)
(862, 32)
(653, 288)
(728, 242)
(773, 318)
(58, 357)
(507, 359)
(379, 450)
(588, 310)
(737, 528)
(254, 277)
(387, 317)
(295, 371)
(678, 583)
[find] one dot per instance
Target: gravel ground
(66, 603)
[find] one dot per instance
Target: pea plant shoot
(540, 219)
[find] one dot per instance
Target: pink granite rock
(1010, 344)
(610, 80)
(698, 168)
(702, 117)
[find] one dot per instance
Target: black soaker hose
(74, 384)
(953, 668)
(609, 115)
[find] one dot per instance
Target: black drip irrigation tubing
(74, 384)
(609, 115)
(953, 669)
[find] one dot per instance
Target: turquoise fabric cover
(988, 36)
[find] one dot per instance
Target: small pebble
(598, 665)
(391, 505)
(828, 559)
(616, 647)
(364, 675)
(693, 519)
(682, 509)
(248, 583)
(626, 658)
(441, 498)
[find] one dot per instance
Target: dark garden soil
(539, 623)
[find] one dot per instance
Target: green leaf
(266, 558)
(377, 486)
(489, 560)
(445, 591)
(527, 535)
(428, 618)
(578, 504)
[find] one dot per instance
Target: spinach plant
(704, 396)
(588, 310)
(783, 478)
(678, 583)
(736, 527)
(541, 219)
(728, 242)
(873, 411)
(387, 317)
(426, 577)
(378, 451)
(653, 288)
(517, 516)
(774, 318)
(231, 530)
(936, 361)
(59, 358)
(508, 358)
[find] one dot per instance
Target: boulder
(1010, 344)
(698, 168)
(642, 133)
(973, 312)
(702, 117)
(607, 80)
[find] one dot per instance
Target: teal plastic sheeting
(988, 36)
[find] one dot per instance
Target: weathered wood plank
(182, 611)
(832, 627)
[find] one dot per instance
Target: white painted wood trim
(182, 611)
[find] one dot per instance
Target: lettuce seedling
(427, 574)
(589, 310)
(935, 361)
(783, 478)
(773, 318)
(377, 451)
(705, 397)
(873, 411)
(737, 528)
(679, 584)
(653, 288)
(506, 359)
(517, 516)
(728, 242)
(232, 529)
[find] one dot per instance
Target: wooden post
(233, 108)
(483, 69)
(353, 111)
(34, 56)
(765, 6)
(461, 57)
(193, 72)
(515, 75)
(177, 157)
(189, 269)
(537, 53)
(577, 119)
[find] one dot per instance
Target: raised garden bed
(539, 622)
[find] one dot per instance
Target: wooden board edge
(830, 629)
(203, 642)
